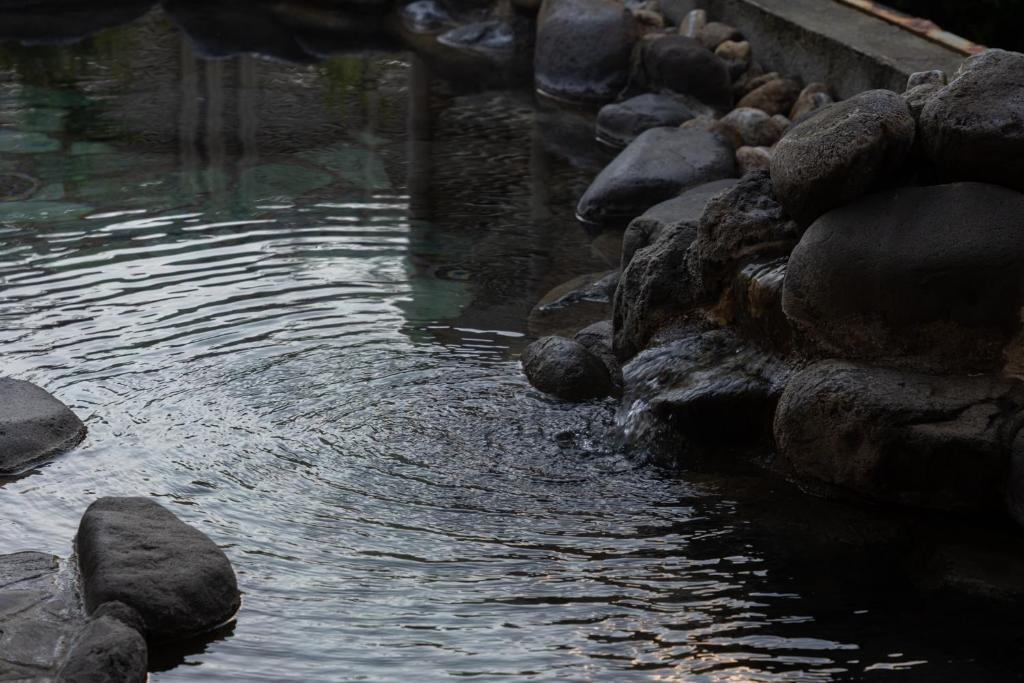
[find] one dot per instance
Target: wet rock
(137, 552)
(658, 165)
(493, 37)
(935, 274)
(566, 369)
(750, 159)
(599, 340)
(913, 439)
(714, 33)
(620, 123)
(686, 208)
(574, 304)
(736, 55)
(33, 426)
(693, 23)
(843, 152)
(683, 65)
(740, 225)
(754, 127)
(774, 97)
(583, 49)
(973, 129)
(813, 97)
(757, 302)
(106, 651)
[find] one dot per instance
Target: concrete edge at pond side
(828, 42)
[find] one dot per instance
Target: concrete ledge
(822, 40)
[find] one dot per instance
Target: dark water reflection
(288, 301)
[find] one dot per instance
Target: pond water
(288, 300)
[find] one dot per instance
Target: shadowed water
(288, 302)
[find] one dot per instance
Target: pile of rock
(874, 280)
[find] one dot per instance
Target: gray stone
(33, 426)
(620, 123)
(913, 439)
(686, 208)
(683, 65)
(106, 651)
(755, 127)
(933, 273)
(658, 165)
(599, 340)
(842, 152)
(774, 97)
(137, 552)
(583, 49)
(566, 369)
(973, 129)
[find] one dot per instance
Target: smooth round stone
(33, 426)
(620, 123)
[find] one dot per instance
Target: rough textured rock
(740, 225)
(686, 208)
(33, 425)
(620, 123)
(137, 552)
(566, 369)
(775, 97)
(842, 152)
(658, 165)
(813, 97)
(683, 65)
(583, 49)
(927, 272)
(751, 159)
(930, 441)
(106, 651)
(973, 129)
(755, 127)
(599, 340)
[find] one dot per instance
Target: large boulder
(929, 272)
(135, 551)
(619, 123)
(686, 208)
(583, 49)
(913, 439)
(566, 369)
(658, 165)
(973, 129)
(842, 152)
(683, 65)
(33, 426)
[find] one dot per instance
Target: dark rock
(426, 16)
(757, 302)
(973, 129)
(755, 127)
(658, 165)
(106, 651)
(743, 224)
(920, 440)
(121, 612)
(583, 49)
(711, 124)
(37, 23)
(752, 80)
(774, 97)
(566, 369)
(714, 33)
(686, 208)
(736, 55)
(842, 152)
(599, 340)
(620, 123)
(750, 159)
(137, 552)
(683, 65)
(33, 426)
(933, 273)
(493, 37)
(813, 97)
(574, 304)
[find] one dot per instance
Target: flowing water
(288, 301)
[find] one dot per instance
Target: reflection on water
(288, 302)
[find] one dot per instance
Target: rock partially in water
(566, 369)
(33, 426)
(106, 651)
(842, 152)
(620, 123)
(913, 439)
(776, 96)
(929, 274)
(683, 65)
(137, 552)
(686, 208)
(583, 49)
(599, 340)
(973, 129)
(574, 304)
(658, 165)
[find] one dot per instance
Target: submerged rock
(973, 129)
(620, 123)
(566, 369)
(658, 165)
(683, 65)
(842, 152)
(933, 273)
(137, 552)
(913, 439)
(33, 426)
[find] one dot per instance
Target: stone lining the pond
(34, 426)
